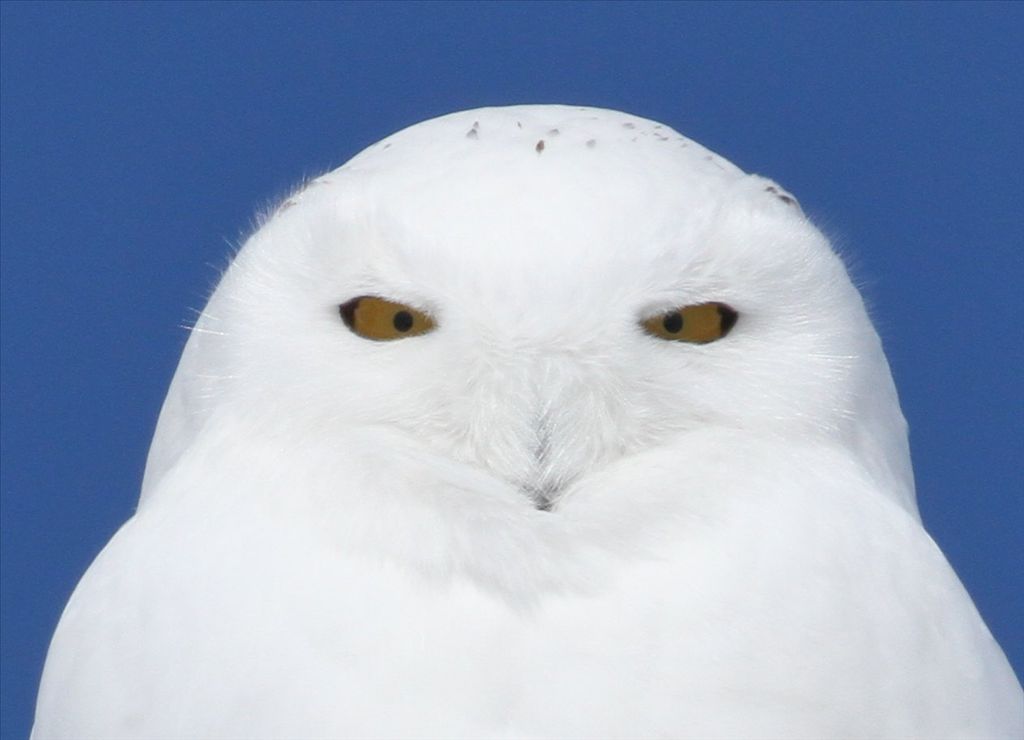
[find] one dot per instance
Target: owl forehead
(533, 131)
(506, 155)
(520, 189)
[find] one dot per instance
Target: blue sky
(139, 140)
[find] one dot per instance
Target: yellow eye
(383, 320)
(697, 324)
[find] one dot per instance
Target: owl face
(537, 292)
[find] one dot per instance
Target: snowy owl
(539, 422)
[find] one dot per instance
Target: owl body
(536, 518)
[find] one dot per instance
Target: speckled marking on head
(786, 198)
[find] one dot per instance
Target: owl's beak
(529, 427)
(543, 499)
(542, 491)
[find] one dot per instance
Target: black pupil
(403, 321)
(673, 322)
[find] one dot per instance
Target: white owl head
(523, 273)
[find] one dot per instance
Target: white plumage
(537, 519)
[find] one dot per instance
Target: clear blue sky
(138, 140)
